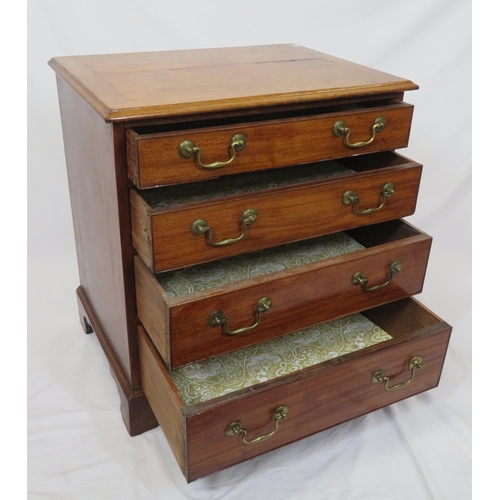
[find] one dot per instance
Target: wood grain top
(123, 87)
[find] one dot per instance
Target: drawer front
(315, 402)
(300, 297)
(318, 397)
(166, 241)
(154, 159)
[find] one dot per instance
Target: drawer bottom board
(318, 397)
(226, 373)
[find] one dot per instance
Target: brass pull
(351, 197)
(218, 318)
(236, 428)
(341, 129)
(378, 377)
(200, 226)
(188, 148)
(361, 279)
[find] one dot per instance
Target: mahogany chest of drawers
(242, 255)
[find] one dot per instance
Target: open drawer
(406, 359)
(202, 311)
(180, 226)
(176, 154)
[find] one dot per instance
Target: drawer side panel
(152, 310)
(142, 234)
(163, 398)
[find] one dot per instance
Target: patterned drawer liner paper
(247, 266)
(174, 196)
(233, 371)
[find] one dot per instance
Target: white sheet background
(78, 447)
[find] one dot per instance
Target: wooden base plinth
(136, 411)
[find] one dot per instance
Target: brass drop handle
(218, 318)
(200, 227)
(188, 148)
(236, 428)
(341, 129)
(360, 279)
(378, 377)
(350, 196)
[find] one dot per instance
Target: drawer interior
(384, 232)
(265, 116)
(176, 197)
(274, 358)
(235, 269)
(375, 161)
(172, 197)
(351, 337)
(239, 268)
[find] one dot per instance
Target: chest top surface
(123, 87)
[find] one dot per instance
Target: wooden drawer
(317, 397)
(290, 204)
(179, 325)
(154, 158)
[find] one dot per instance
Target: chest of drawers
(242, 256)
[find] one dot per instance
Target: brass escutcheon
(236, 428)
(188, 148)
(350, 196)
(200, 227)
(218, 318)
(341, 129)
(360, 279)
(378, 377)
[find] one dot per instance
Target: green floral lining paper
(174, 196)
(241, 267)
(233, 371)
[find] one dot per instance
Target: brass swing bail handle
(188, 148)
(350, 196)
(200, 227)
(236, 428)
(360, 279)
(341, 129)
(218, 318)
(378, 377)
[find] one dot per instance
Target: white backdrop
(78, 447)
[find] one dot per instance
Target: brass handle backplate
(360, 279)
(378, 377)
(218, 318)
(200, 227)
(350, 196)
(236, 428)
(188, 148)
(341, 129)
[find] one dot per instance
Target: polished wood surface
(164, 240)
(141, 227)
(89, 145)
(135, 409)
(318, 397)
(95, 157)
(160, 84)
(164, 398)
(123, 118)
(153, 308)
(154, 160)
(302, 296)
